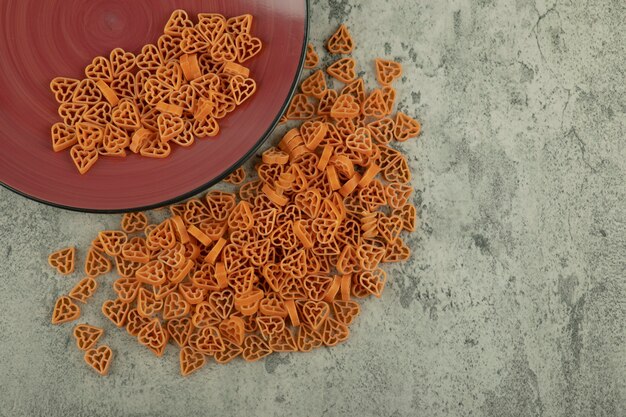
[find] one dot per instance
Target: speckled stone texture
(514, 302)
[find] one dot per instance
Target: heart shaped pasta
(190, 361)
(99, 69)
(340, 42)
(63, 260)
(312, 59)
(242, 88)
(86, 336)
(84, 289)
(274, 263)
(99, 359)
(193, 72)
(65, 310)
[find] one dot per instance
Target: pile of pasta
(169, 93)
(278, 266)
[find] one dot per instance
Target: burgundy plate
(42, 39)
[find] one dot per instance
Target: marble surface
(513, 303)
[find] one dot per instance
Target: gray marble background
(514, 302)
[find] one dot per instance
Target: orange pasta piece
(375, 105)
(189, 66)
(343, 70)
(126, 115)
(387, 71)
(99, 69)
(65, 310)
(121, 62)
(303, 235)
(237, 177)
(136, 250)
(283, 341)
(312, 59)
(314, 85)
(230, 352)
(369, 175)
(89, 135)
(224, 48)
(215, 252)
(334, 332)
(345, 287)
(191, 293)
(170, 126)
(255, 348)
(356, 89)
(398, 194)
(87, 92)
(63, 136)
(179, 330)
(239, 24)
(126, 288)
(63, 260)
(86, 336)
(373, 281)
(207, 340)
(315, 313)
(63, 88)
(139, 139)
(382, 130)
(389, 95)
(190, 360)
(84, 289)
(99, 359)
(112, 241)
(147, 304)
(247, 46)
(178, 21)
(162, 236)
(241, 88)
(308, 339)
(332, 178)
(341, 41)
(72, 113)
(299, 108)
(134, 222)
(270, 326)
(152, 273)
(273, 195)
(350, 185)
(333, 289)
(396, 251)
(397, 170)
(405, 127)
(327, 101)
(345, 107)
(241, 217)
(153, 336)
(175, 306)
(108, 92)
(389, 227)
(408, 214)
(116, 311)
(313, 133)
(232, 68)
(96, 263)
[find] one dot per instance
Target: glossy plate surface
(42, 39)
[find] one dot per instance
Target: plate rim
(262, 139)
